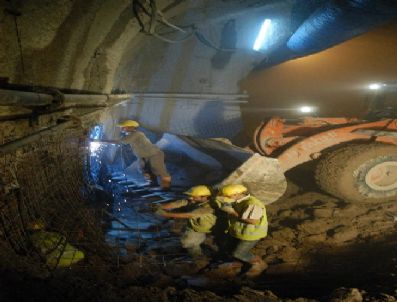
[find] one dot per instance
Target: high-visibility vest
(204, 223)
(246, 231)
(55, 249)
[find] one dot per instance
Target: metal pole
(33, 99)
(11, 146)
(220, 96)
(22, 98)
(21, 142)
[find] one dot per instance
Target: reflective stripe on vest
(246, 231)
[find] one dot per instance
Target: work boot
(227, 270)
(258, 266)
(165, 182)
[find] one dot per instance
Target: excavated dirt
(318, 247)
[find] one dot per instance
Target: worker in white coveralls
(247, 224)
(150, 156)
(201, 217)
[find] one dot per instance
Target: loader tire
(360, 172)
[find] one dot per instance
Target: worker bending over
(201, 217)
(247, 222)
(151, 158)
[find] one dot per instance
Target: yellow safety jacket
(245, 231)
(205, 222)
(55, 249)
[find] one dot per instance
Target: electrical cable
(190, 35)
(153, 19)
(135, 11)
(208, 43)
(165, 22)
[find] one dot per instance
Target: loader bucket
(216, 162)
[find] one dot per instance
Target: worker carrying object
(150, 156)
(201, 217)
(247, 224)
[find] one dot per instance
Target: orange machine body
(300, 141)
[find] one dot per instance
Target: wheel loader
(356, 159)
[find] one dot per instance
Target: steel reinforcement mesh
(44, 217)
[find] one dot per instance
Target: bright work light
(306, 109)
(94, 146)
(376, 86)
(262, 34)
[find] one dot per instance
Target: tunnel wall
(198, 118)
(97, 46)
(65, 44)
(195, 66)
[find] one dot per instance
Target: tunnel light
(306, 109)
(262, 34)
(94, 146)
(376, 86)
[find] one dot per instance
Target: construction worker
(201, 217)
(53, 246)
(247, 224)
(150, 156)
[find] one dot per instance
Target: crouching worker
(247, 222)
(53, 246)
(201, 217)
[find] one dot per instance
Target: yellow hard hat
(198, 191)
(36, 225)
(230, 190)
(128, 123)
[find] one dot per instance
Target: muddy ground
(319, 248)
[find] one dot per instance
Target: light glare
(94, 146)
(306, 109)
(262, 33)
(376, 86)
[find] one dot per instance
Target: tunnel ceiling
(103, 45)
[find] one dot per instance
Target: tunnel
(114, 112)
